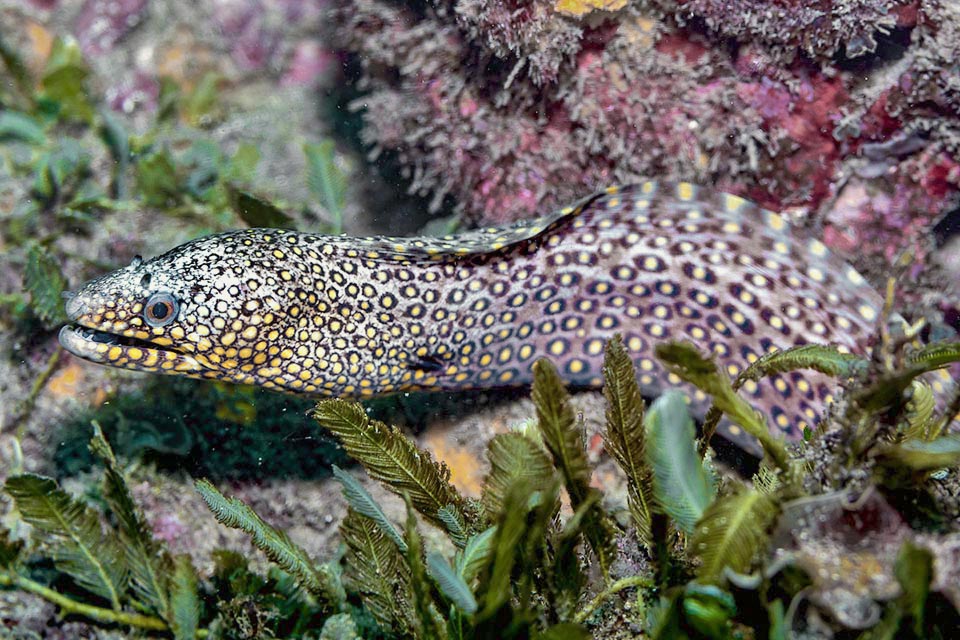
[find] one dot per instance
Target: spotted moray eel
(358, 317)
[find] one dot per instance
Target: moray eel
(358, 317)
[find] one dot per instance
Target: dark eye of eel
(160, 309)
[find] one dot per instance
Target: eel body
(357, 317)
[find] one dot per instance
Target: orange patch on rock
(185, 60)
(466, 472)
(580, 8)
(41, 42)
(67, 381)
(70, 381)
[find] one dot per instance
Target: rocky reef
(844, 113)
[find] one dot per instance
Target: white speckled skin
(359, 317)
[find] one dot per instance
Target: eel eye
(160, 309)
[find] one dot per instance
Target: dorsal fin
(469, 243)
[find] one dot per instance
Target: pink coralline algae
(133, 93)
(888, 222)
(799, 118)
(169, 528)
(257, 33)
(311, 64)
(242, 23)
(816, 27)
(488, 105)
(531, 32)
(101, 24)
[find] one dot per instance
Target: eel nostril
(74, 306)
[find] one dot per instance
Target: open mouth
(125, 351)
(102, 337)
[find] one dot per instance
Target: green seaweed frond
(429, 621)
(454, 524)
(767, 481)
(392, 459)
(683, 359)
(564, 439)
(150, 564)
(276, 544)
(471, 559)
(924, 455)
(885, 390)
(79, 546)
(563, 572)
(914, 572)
(826, 359)
(326, 181)
(625, 438)
(378, 570)
(63, 80)
(44, 280)
(732, 532)
(508, 579)
(124, 565)
(363, 503)
(184, 600)
(934, 356)
(921, 419)
(513, 458)
(451, 583)
(683, 483)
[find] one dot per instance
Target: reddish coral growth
(311, 64)
(101, 24)
(484, 102)
(801, 120)
(818, 27)
(629, 107)
(877, 123)
(930, 84)
(871, 221)
(530, 31)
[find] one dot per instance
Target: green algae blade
(564, 439)
(920, 455)
(79, 546)
(683, 484)
(683, 359)
(454, 524)
(513, 457)
(326, 181)
(430, 623)
(391, 458)
(823, 358)
(150, 564)
(319, 581)
(625, 437)
(921, 419)
(935, 356)
(363, 503)
(470, 560)
(184, 600)
(378, 571)
(451, 584)
(732, 531)
(44, 280)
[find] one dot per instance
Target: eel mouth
(115, 350)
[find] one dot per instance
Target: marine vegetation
(700, 552)
(849, 530)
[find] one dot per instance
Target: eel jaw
(120, 351)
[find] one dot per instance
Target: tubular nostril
(75, 307)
